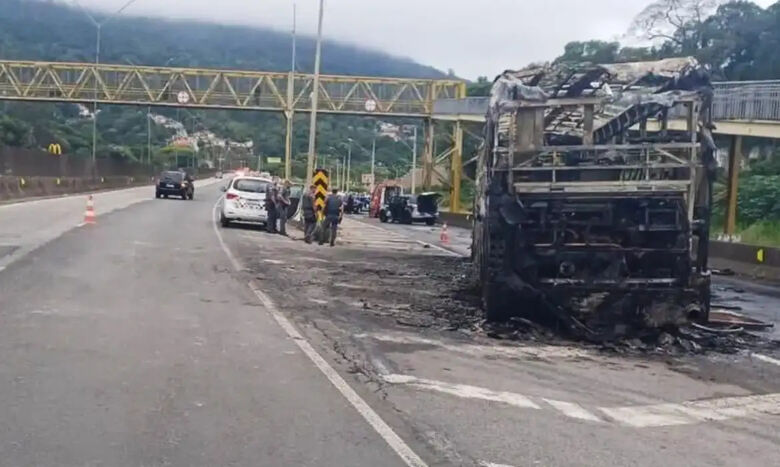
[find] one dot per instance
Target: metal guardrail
(748, 100)
(733, 100)
(466, 106)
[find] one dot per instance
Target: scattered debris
(724, 317)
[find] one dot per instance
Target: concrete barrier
(456, 219)
(746, 260)
(17, 187)
(14, 188)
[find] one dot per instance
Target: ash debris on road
(407, 291)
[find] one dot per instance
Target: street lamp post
(314, 98)
(349, 165)
(288, 141)
(99, 27)
(414, 161)
(373, 159)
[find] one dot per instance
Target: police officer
(309, 213)
(270, 207)
(334, 208)
(282, 205)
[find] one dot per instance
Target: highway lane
(25, 226)
(133, 342)
(376, 301)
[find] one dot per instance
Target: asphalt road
(156, 338)
(378, 297)
(134, 343)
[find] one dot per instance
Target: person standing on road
(309, 213)
(334, 209)
(270, 207)
(282, 205)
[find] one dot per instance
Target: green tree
(589, 52)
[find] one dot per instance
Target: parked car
(244, 200)
(407, 209)
(175, 183)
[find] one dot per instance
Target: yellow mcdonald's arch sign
(55, 148)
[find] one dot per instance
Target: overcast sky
(473, 37)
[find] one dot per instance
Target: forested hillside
(47, 30)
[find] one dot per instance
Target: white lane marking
(463, 390)
(384, 430)
(273, 261)
(397, 235)
(570, 409)
(642, 416)
(493, 464)
(690, 412)
(318, 301)
(514, 351)
(766, 359)
(233, 261)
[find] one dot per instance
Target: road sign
(367, 179)
(320, 182)
(183, 97)
(370, 105)
(274, 160)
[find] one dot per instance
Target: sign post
(320, 182)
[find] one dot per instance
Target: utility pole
(349, 165)
(343, 174)
(373, 159)
(95, 104)
(414, 161)
(149, 134)
(314, 98)
(337, 175)
(289, 112)
(98, 28)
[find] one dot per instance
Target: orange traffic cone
(89, 214)
(444, 236)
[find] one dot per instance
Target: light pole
(289, 112)
(149, 134)
(314, 98)
(99, 27)
(414, 161)
(414, 155)
(343, 173)
(349, 165)
(373, 159)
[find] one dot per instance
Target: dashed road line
(463, 390)
(766, 359)
(384, 430)
(392, 236)
(573, 410)
(690, 412)
(515, 351)
(642, 416)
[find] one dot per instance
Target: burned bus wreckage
(589, 208)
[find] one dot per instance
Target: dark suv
(175, 183)
(407, 209)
